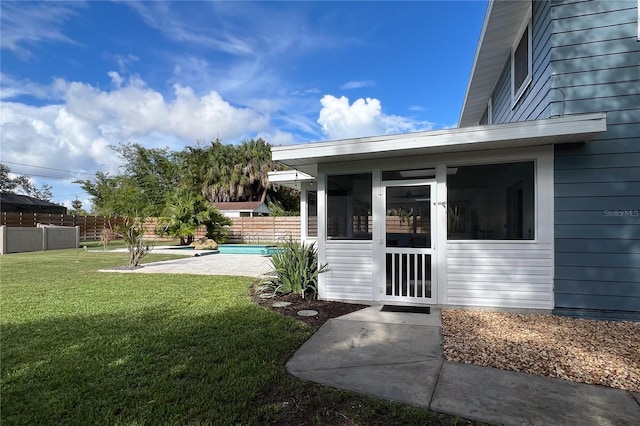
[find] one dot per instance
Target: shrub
(295, 270)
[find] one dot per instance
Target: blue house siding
(586, 58)
(595, 58)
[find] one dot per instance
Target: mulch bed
(326, 309)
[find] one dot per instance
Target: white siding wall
(350, 274)
(515, 275)
(508, 274)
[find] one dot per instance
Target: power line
(47, 168)
(45, 176)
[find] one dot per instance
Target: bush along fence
(254, 230)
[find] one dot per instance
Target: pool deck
(247, 265)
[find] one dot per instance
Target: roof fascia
(537, 132)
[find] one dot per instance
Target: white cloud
(357, 84)
(162, 17)
(341, 120)
(27, 23)
(13, 88)
(76, 134)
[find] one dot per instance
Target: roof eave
(577, 128)
(502, 22)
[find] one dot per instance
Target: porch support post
(322, 234)
(377, 237)
(304, 214)
(440, 239)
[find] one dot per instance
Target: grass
(87, 347)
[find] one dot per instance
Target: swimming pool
(246, 249)
(264, 250)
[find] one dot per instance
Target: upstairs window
(487, 117)
(521, 63)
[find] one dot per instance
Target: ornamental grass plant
(295, 270)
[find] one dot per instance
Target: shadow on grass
(155, 366)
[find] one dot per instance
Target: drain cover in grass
(281, 304)
(307, 313)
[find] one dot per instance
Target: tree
(23, 185)
(115, 196)
(153, 171)
(237, 173)
(186, 211)
(120, 196)
(132, 232)
(76, 208)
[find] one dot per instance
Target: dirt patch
(588, 351)
(326, 309)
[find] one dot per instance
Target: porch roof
(290, 178)
(576, 128)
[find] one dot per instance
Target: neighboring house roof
(577, 128)
(243, 206)
(22, 203)
(501, 25)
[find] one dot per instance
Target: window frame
(516, 94)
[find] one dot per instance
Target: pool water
(246, 249)
(264, 250)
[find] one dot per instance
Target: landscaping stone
(281, 304)
(307, 313)
(204, 243)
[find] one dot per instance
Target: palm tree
(186, 211)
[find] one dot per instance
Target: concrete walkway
(398, 356)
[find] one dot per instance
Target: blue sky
(77, 77)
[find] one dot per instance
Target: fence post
(3, 237)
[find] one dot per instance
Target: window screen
(349, 207)
(491, 202)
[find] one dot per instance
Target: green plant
(132, 232)
(295, 269)
(186, 211)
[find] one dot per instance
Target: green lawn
(84, 347)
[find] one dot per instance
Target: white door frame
(406, 252)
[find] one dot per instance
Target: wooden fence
(254, 230)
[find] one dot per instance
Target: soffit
(501, 25)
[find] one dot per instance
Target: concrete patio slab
(371, 352)
(247, 265)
